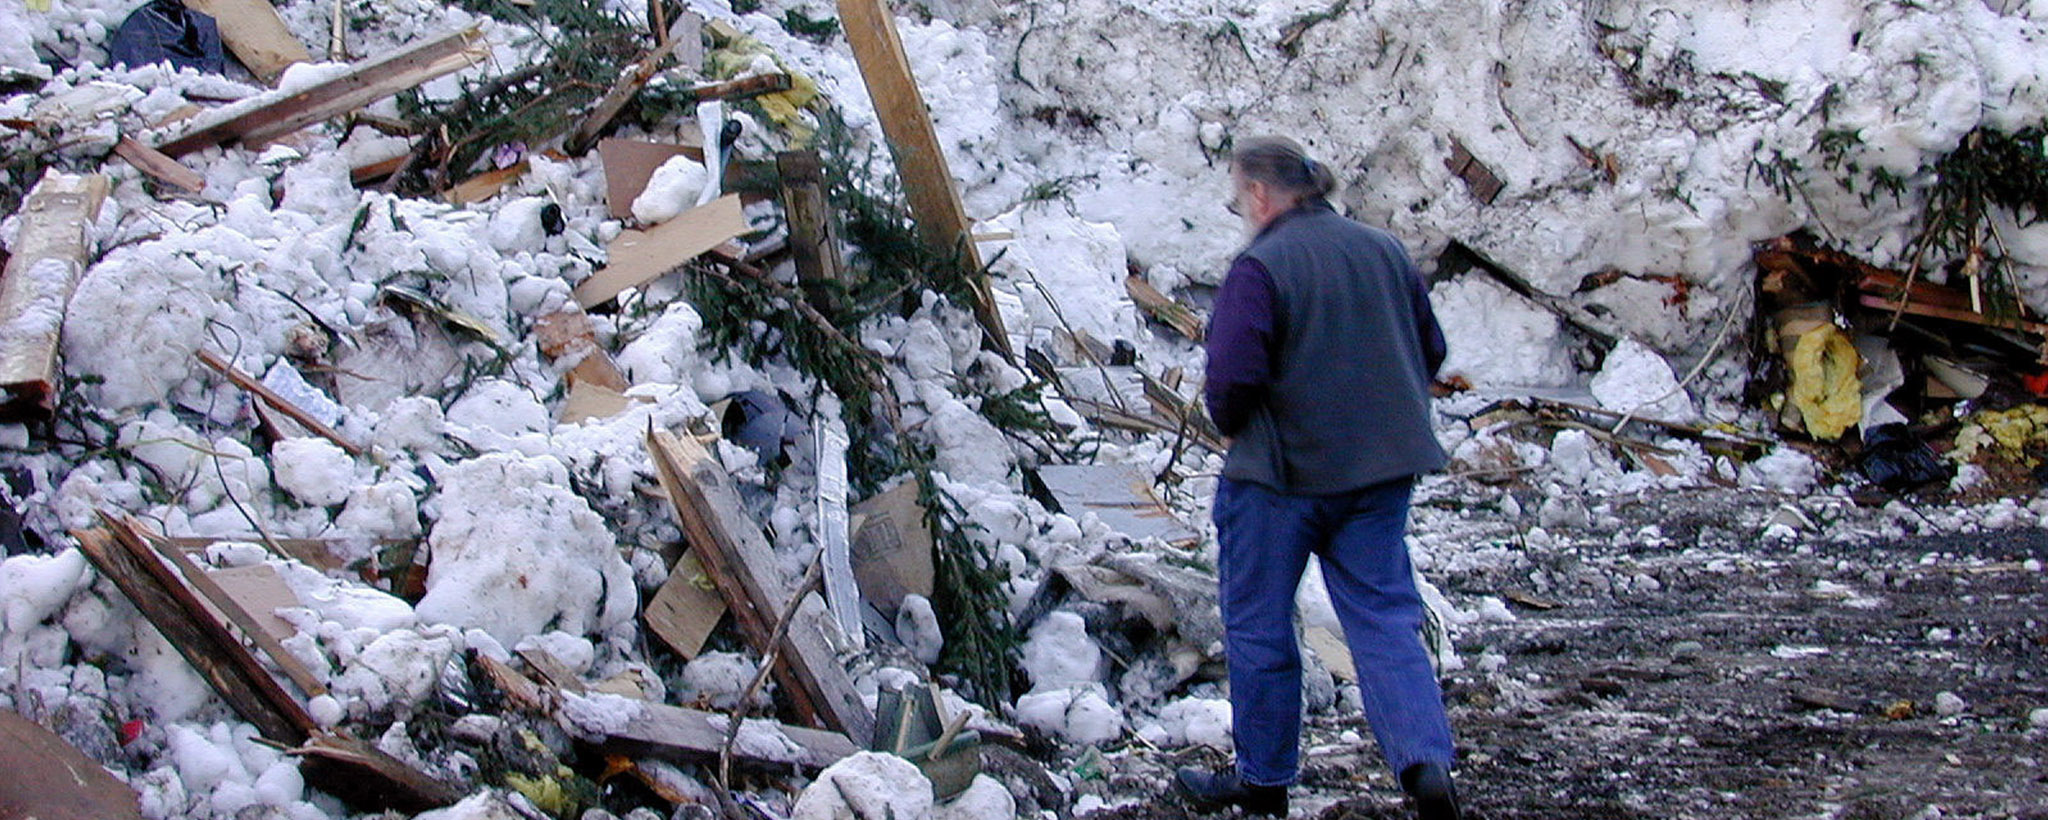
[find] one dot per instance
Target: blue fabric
(1266, 539)
(1240, 345)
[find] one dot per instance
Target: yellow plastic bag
(1824, 383)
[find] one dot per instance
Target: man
(1321, 351)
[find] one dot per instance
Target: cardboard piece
(637, 257)
(568, 334)
(589, 400)
(892, 549)
(1120, 495)
(51, 251)
(629, 164)
(686, 608)
(261, 592)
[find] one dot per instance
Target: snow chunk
(673, 189)
(314, 470)
(516, 553)
(1204, 721)
(1637, 380)
(1081, 714)
(1060, 653)
(868, 784)
(1785, 470)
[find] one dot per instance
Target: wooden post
(743, 566)
(813, 244)
(934, 204)
(51, 253)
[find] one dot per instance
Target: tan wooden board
(261, 592)
(638, 257)
(158, 166)
(256, 35)
(51, 251)
(589, 400)
(686, 608)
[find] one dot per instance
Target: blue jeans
(1265, 540)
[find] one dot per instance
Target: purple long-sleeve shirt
(1242, 342)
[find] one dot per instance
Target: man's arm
(1240, 346)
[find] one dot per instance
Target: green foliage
(818, 30)
(1990, 169)
(968, 595)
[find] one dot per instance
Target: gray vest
(1349, 403)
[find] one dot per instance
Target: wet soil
(1753, 679)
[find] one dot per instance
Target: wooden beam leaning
(742, 565)
(51, 252)
(256, 35)
(120, 553)
(368, 82)
(927, 182)
(812, 243)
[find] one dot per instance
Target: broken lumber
(51, 251)
(367, 83)
(365, 777)
(1479, 179)
(158, 166)
(485, 185)
(927, 182)
(1163, 308)
(256, 35)
(638, 257)
(49, 779)
(250, 385)
(239, 615)
(614, 101)
(119, 551)
(1964, 315)
(743, 566)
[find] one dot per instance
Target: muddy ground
(1706, 673)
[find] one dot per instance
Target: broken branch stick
(812, 579)
(279, 403)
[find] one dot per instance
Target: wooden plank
(364, 174)
(250, 385)
(1162, 307)
(1952, 314)
(256, 35)
(743, 565)
(689, 735)
(52, 249)
(630, 164)
(552, 671)
(638, 257)
(927, 182)
(367, 83)
(813, 245)
(589, 401)
(117, 551)
(485, 185)
(261, 592)
(158, 166)
(684, 611)
(363, 776)
(49, 779)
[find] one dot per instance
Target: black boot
(1430, 785)
(1214, 791)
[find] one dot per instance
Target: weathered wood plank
(51, 252)
(158, 166)
(637, 257)
(48, 779)
(742, 564)
(256, 35)
(927, 181)
(371, 81)
(1162, 307)
(675, 733)
(812, 243)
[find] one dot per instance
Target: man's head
(1271, 175)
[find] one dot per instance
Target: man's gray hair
(1282, 163)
